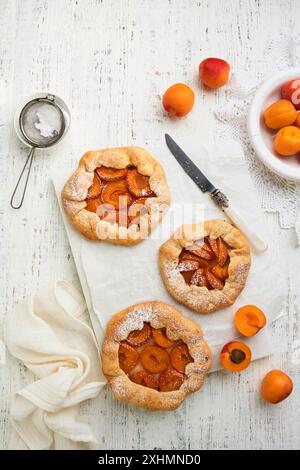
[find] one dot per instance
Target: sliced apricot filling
(125, 190)
(128, 357)
(180, 357)
(235, 356)
(153, 360)
(138, 184)
(93, 204)
(249, 319)
(116, 194)
(144, 378)
(161, 339)
(170, 380)
(95, 189)
(139, 337)
(205, 263)
(137, 209)
(110, 174)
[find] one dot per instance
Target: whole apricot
(214, 72)
(297, 122)
(235, 356)
(178, 100)
(249, 319)
(291, 91)
(287, 141)
(280, 114)
(276, 386)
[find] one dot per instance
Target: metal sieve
(40, 123)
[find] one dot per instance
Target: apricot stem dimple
(237, 356)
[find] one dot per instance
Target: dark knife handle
(220, 199)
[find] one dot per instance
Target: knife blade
(189, 166)
(218, 196)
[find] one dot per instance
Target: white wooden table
(111, 60)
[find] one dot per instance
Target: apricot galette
(153, 356)
(205, 266)
(118, 195)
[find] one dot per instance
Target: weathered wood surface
(111, 60)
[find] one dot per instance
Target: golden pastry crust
(201, 299)
(159, 315)
(88, 223)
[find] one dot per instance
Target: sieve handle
(29, 159)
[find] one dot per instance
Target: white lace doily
(276, 194)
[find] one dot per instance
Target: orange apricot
(287, 141)
(214, 72)
(280, 114)
(110, 174)
(297, 122)
(180, 357)
(138, 184)
(93, 204)
(161, 339)
(95, 189)
(154, 359)
(218, 271)
(115, 193)
(235, 356)
(128, 357)
(249, 319)
(178, 100)
(139, 337)
(170, 380)
(144, 378)
(276, 386)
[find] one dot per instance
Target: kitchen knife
(257, 243)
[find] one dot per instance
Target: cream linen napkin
(47, 334)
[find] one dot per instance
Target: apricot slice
(93, 204)
(180, 357)
(161, 339)
(213, 281)
(170, 380)
(204, 251)
(199, 278)
(154, 359)
(188, 255)
(222, 252)
(110, 174)
(113, 191)
(142, 377)
(137, 209)
(219, 272)
(188, 265)
(235, 356)
(138, 184)
(276, 386)
(95, 189)
(214, 245)
(249, 319)
(140, 337)
(113, 216)
(128, 357)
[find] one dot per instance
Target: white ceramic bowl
(261, 137)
